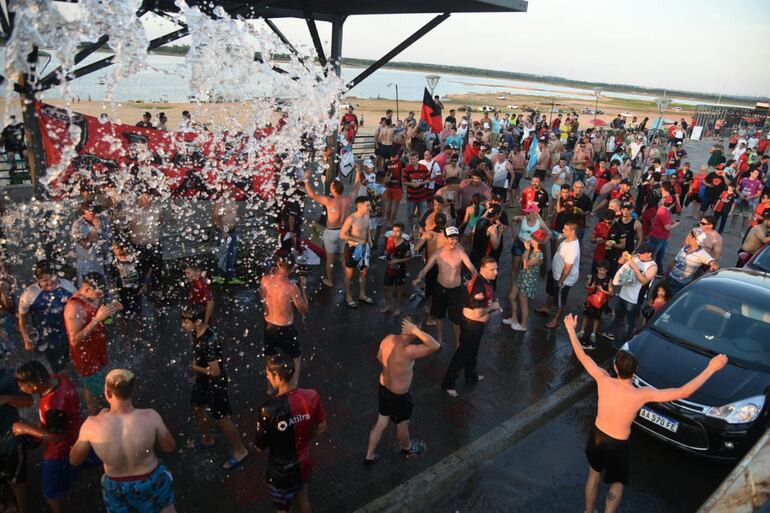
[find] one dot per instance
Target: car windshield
(719, 319)
(762, 261)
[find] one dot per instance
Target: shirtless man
(280, 296)
(580, 159)
(619, 404)
(385, 141)
(358, 243)
(397, 355)
(337, 207)
(125, 438)
(447, 293)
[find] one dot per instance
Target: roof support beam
(406, 43)
(319, 49)
(283, 38)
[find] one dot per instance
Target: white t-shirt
(630, 292)
(568, 253)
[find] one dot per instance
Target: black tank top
(628, 229)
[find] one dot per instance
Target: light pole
(391, 84)
(432, 82)
(597, 93)
(662, 104)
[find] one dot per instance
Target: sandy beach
(372, 109)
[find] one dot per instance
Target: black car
(724, 312)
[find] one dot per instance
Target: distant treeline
(478, 72)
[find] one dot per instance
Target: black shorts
(396, 277)
(559, 294)
(213, 394)
(281, 338)
(592, 312)
(608, 455)
(516, 179)
(131, 300)
(396, 406)
(13, 466)
(350, 262)
(431, 277)
(447, 302)
(386, 150)
(500, 191)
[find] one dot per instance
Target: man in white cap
(447, 294)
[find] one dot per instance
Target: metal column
(336, 62)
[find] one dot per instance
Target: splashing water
(220, 64)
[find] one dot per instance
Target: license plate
(660, 420)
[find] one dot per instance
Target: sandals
(372, 461)
(326, 283)
(352, 304)
(367, 300)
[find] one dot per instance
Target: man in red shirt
(84, 317)
(349, 125)
(58, 430)
(759, 212)
(534, 193)
(661, 227)
(600, 236)
(416, 178)
(199, 293)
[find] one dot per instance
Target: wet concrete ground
(546, 472)
(340, 347)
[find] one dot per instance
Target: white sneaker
(518, 327)
(508, 321)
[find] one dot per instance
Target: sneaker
(518, 327)
(218, 279)
(415, 449)
(236, 281)
(508, 321)
(593, 338)
(608, 335)
(580, 334)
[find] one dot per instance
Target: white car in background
(511, 107)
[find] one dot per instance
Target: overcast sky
(700, 45)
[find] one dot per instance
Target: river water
(167, 80)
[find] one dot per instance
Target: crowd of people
(548, 192)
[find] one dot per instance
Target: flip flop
(352, 304)
(232, 463)
(368, 461)
(367, 300)
(326, 283)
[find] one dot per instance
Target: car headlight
(738, 412)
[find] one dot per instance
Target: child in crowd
(599, 286)
(661, 294)
(199, 292)
(599, 237)
(724, 206)
(397, 254)
(130, 287)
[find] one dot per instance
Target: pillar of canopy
(312, 11)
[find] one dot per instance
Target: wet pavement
(340, 347)
(546, 472)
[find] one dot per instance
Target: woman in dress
(525, 286)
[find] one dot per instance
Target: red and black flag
(431, 113)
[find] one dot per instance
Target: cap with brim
(539, 235)
(368, 163)
(645, 248)
(531, 208)
(451, 231)
(627, 204)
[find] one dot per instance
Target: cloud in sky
(706, 46)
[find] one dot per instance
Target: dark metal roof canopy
(333, 11)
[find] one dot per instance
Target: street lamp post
(432, 82)
(662, 104)
(391, 84)
(597, 93)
